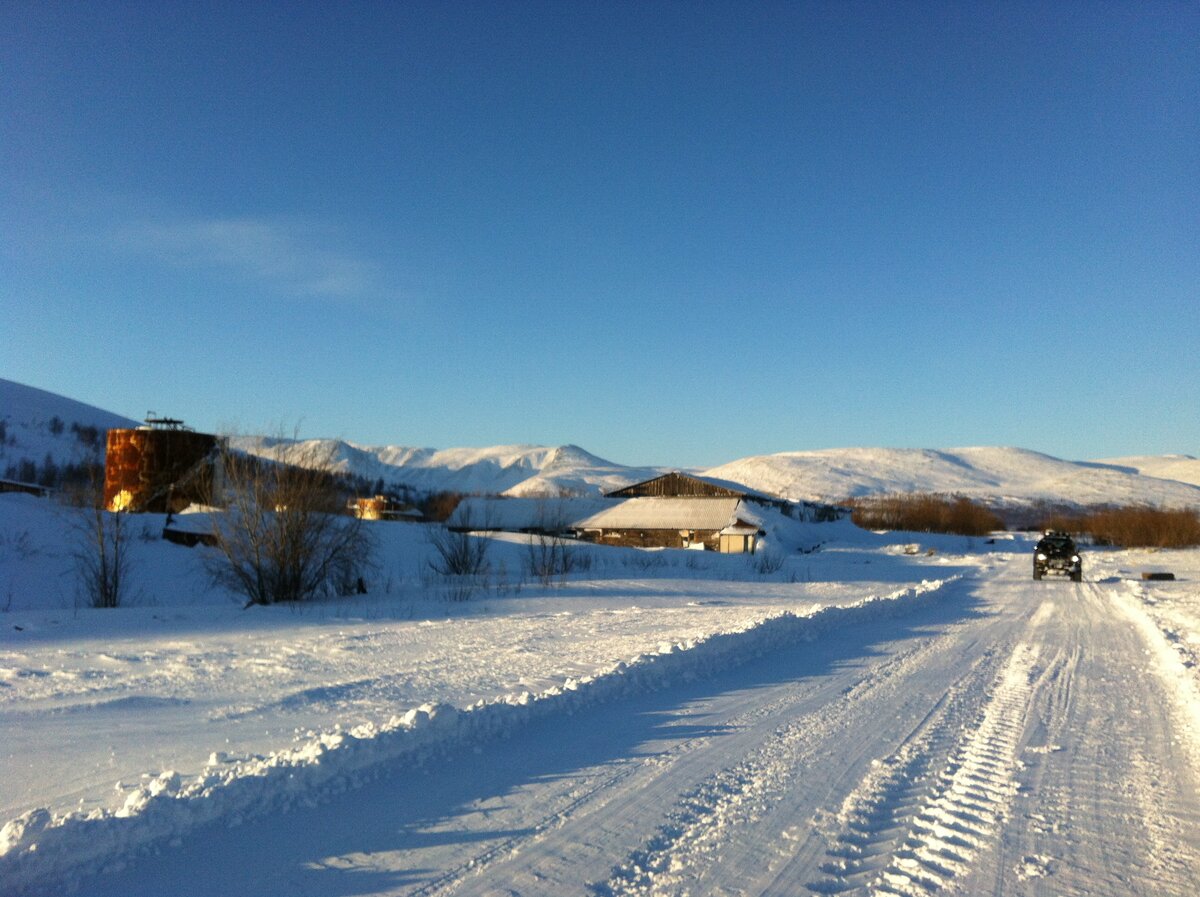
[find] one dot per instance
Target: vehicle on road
(1056, 552)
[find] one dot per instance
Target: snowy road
(1007, 740)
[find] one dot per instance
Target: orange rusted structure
(158, 469)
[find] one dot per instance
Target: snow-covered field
(881, 715)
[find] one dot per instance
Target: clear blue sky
(673, 233)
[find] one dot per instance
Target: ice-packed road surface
(1011, 739)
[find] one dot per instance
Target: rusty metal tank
(162, 466)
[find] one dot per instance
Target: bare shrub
(551, 555)
(925, 513)
(457, 552)
(284, 535)
(644, 560)
(100, 548)
(1063, 522)
(1132, 526)
(1144, 526)
(768, 561)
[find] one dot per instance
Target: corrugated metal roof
(671, 513)
(737, 489)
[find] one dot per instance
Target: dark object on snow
(28, 488)
(188, 538)
(1056, 553)
(1166, 577)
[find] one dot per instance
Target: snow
(520, 514)
(27, 414)
(1001, 474)
(515, 470)
(670, 514)
(132, 729)
(890, 713)
(1183, 468)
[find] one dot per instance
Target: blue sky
(671, 233)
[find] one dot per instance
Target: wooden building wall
(652, 538)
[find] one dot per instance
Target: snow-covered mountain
(35, 424)
(1008, 475)
(517, 470)
(1184, 468)
(1004, 475)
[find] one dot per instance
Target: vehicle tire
(1037, 574)
(1077, 577)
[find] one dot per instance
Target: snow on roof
(673, 513)
(517, 514)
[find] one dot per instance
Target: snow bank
(40, 849)
(1171, 659)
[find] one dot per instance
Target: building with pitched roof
(728, 524)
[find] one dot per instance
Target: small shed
(27, 488)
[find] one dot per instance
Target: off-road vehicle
(1056, 553)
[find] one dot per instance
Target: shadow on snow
(360, 842)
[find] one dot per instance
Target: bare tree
(458, 552)
(551, 554)
(101, 544)
(284, 534)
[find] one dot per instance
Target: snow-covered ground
(845, 713)
(884, 714)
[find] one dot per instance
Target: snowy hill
(1008, 475)
(518, 470)
(1004, 475)
(1183, 468)
(37, 423)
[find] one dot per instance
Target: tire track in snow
(690, 841)
(592, 798)
(911, 828)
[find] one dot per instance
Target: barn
(727, 524)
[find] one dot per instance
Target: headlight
(1074, 559)
(1041, 557)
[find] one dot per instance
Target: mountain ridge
(996, 474)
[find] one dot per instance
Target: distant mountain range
(1012, 476)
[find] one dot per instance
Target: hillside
(1008, 475)
(1183, 468)
(37, 424)
(1011, 476)
(517, 470)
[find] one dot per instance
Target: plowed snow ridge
(39, 847)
